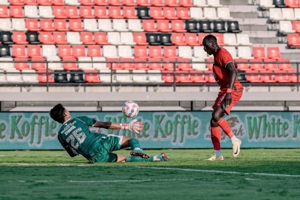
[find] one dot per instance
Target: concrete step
(244, 14)
(253, 27)
(261, 34)
(234, 2)
(259, 41)
(257, 21)
(242, 8)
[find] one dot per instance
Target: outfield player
(231, 91)
(76, 137)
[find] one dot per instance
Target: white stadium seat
(244, 52)
(185, 51)
(224, 13)
(230, 39)
(105, 76)
(72, 2)
(120, 25)
(210, 13)
(8, 65)
(214, 3)
(288, 14)
(196, 13)
(31, 12)
(105, 25)
(199, 52)
(125, 51)
(198, 66)
(140, 76)
(127, 38)
(5, 25)
(266, 4)
(13, 76)
(45, 12)
(101, 65)
(73, 38)
(90, 25)
(286, 27)
(154, 76)
(86, 65)
(4, 2)
(30, 76)
(275, 14)
(114, 38)
(200, 3)
(232, 51)
(243, 39)
(18, 24)
(135, 25)
(110, 51)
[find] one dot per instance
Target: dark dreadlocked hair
(57, 113)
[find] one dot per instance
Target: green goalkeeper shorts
(107, 145)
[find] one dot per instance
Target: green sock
(134, 143)
(140, 159)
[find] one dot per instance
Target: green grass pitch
(257, 174)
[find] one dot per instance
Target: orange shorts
(236, 96)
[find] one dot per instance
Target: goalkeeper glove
(134, 126)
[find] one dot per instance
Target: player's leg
(216, 140)
(134, 144)
(159, 157)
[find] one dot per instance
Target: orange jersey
(221, 59)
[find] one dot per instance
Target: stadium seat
(19, 38)
(83, 63)
(273, 52)
(5, 25)
(34, 52)
(115, 2)
(140, 76)
(291, 3)
(243, 39)
(214, 3)
(101, 38)
(178, 39)
(270, 64)
(197, 77)
(13, 76)
(32, 37)
(21, 63)
(115, 12)
(127, 38)
(219, 26)
(185, 52)
(4, 12)
(185, 3)
(123, 76)
(275, 14)
(148, 26)
(170, 52)
(156, 13)
(16, 12)
(191, 39)
(140, 38)
(296, 13)
(169, 13)
(163, 26)
(94, 51)
(158, 3)
(120, 25)
(197, 13)
(143, 12)
(78, 51)
(5, 2)
(100, 2)
(69, 63)
(140, 52)
(200, 3)
(155, 76)
(46, 25)
(45, 12)
(210, 13)
(205, 26)
(140, 64)
(266, 4)
(73, 38)
(124, 51)
(223, 13)
(31, 12)
(90, 25)
(86, 12)
(106, 77)
(220, 38)
(129, 2)
(100, 12)
(198, 52)
(75, 25)
(285, 65)
(31, 24)
(154, 64)
(59, 12)
(64, 51)
(105, 25)
(18, 25)
(244, 52)
(183, 13)
(6, 66)
(230, 39)
(143, 3)
(6, 37)
(110, 52)
(60, 38)
(19, 51)
(288, 14)
(296, 26)
(172, 3)
(87, 38)
(58, 2)
(99, 63)
(184, 64)
(178, 26)
(72, 2)
(242, 64)
(38, 63)
(232, 51)
(114, 38)
(256, 64)
(60, 76)
(46, 38)
(233, 27)
(259, 52)
(155, 52)
(60, 25)
(198, 64)
(49, 51)
(293, 40)
(153, 38)
(91, 76)
(134, 25)
(129, 13)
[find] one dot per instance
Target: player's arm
(232, 76)
(134, 126)
(72, 152)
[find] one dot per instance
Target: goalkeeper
(76, 138)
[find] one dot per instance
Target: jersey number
(80, 137)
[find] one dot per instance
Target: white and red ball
(130, 109)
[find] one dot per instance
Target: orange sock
(216, 137)
(225, 127)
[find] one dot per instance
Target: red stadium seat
(170, 52)
(154, 64)
(198, 77)
(140, 63)
(178, 39)
(169, 13)
(126, 63)
(163, 25)
(78, 51)
(58, 2)
(242, 64)
(100, 12)
(101, 38)
(113, 63)
(19, 51)
(201, 36)
(115, 2)
(129, 13)
(285, 65)
(19, 38)
(94, 51)
(156, 13)
(91, 76)
(158, 3)
(115, 12)
(270, 64)
(75, 25)
(4, 12)
(143, 3)
(169, 64)
(273, 52)
(291, 3)
(256, 64)
(36, 65)
(60, 25)
(183, 77)
(184, 64)
(59, 11)
(86, 12)
(186, 3)
(86, 2)
(30, 2)
(266, 77)
(16, 2)
(71, 65)
(155, 52)
(46, 25)
(45, 76)
(148, 26)
(19, 65)
(293, 40)
(178, 26)
(44, 2)
(87, 38)
(32, 24)
(64, 51)
(253, 77)
(168, 76)
(191, 39)
(60, 38)
(129, 2)
(46, 38)
(259, 52)
(140, 52)
(140, 38)
(172, 3)
(16, 12)
(183, 13)
(34, 51)
(296, 26)
(220, 38)
(100, 2)
(72, 12)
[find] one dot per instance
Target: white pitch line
(220, 172)
(131, 181)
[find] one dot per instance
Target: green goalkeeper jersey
(77, 134)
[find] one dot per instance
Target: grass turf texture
(256, 174)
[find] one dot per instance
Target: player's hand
(135, 126)
(228, 99)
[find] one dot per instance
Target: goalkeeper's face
(67, 114)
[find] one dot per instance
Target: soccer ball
(130, 109)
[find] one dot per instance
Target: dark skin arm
(232, 76)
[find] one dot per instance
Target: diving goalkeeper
(76, 138)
